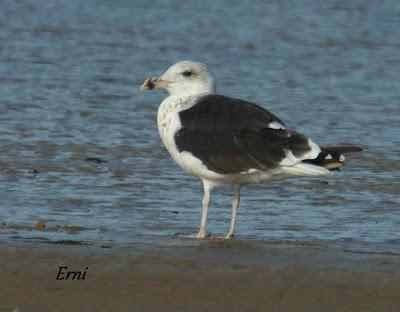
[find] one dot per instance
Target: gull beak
(149, 83)
(154, 83)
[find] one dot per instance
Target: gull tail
(331, 157)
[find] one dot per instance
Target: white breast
(169, 123)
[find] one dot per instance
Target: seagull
(224, 140)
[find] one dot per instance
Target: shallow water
(70, 73)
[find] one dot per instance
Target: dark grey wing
(232, 136)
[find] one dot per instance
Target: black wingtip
(342, 149)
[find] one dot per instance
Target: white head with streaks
(183, 79)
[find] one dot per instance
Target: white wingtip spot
(342, 158)
(329, 156)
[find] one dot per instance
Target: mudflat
(213, 275)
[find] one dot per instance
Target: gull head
(182, 79)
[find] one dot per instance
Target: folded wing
(233, 136)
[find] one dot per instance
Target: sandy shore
(209, 276)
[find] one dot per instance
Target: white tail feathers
(303, 169)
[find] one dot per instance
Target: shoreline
(210, 275)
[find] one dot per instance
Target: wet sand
(199, 276)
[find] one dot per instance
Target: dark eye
(187, 73)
